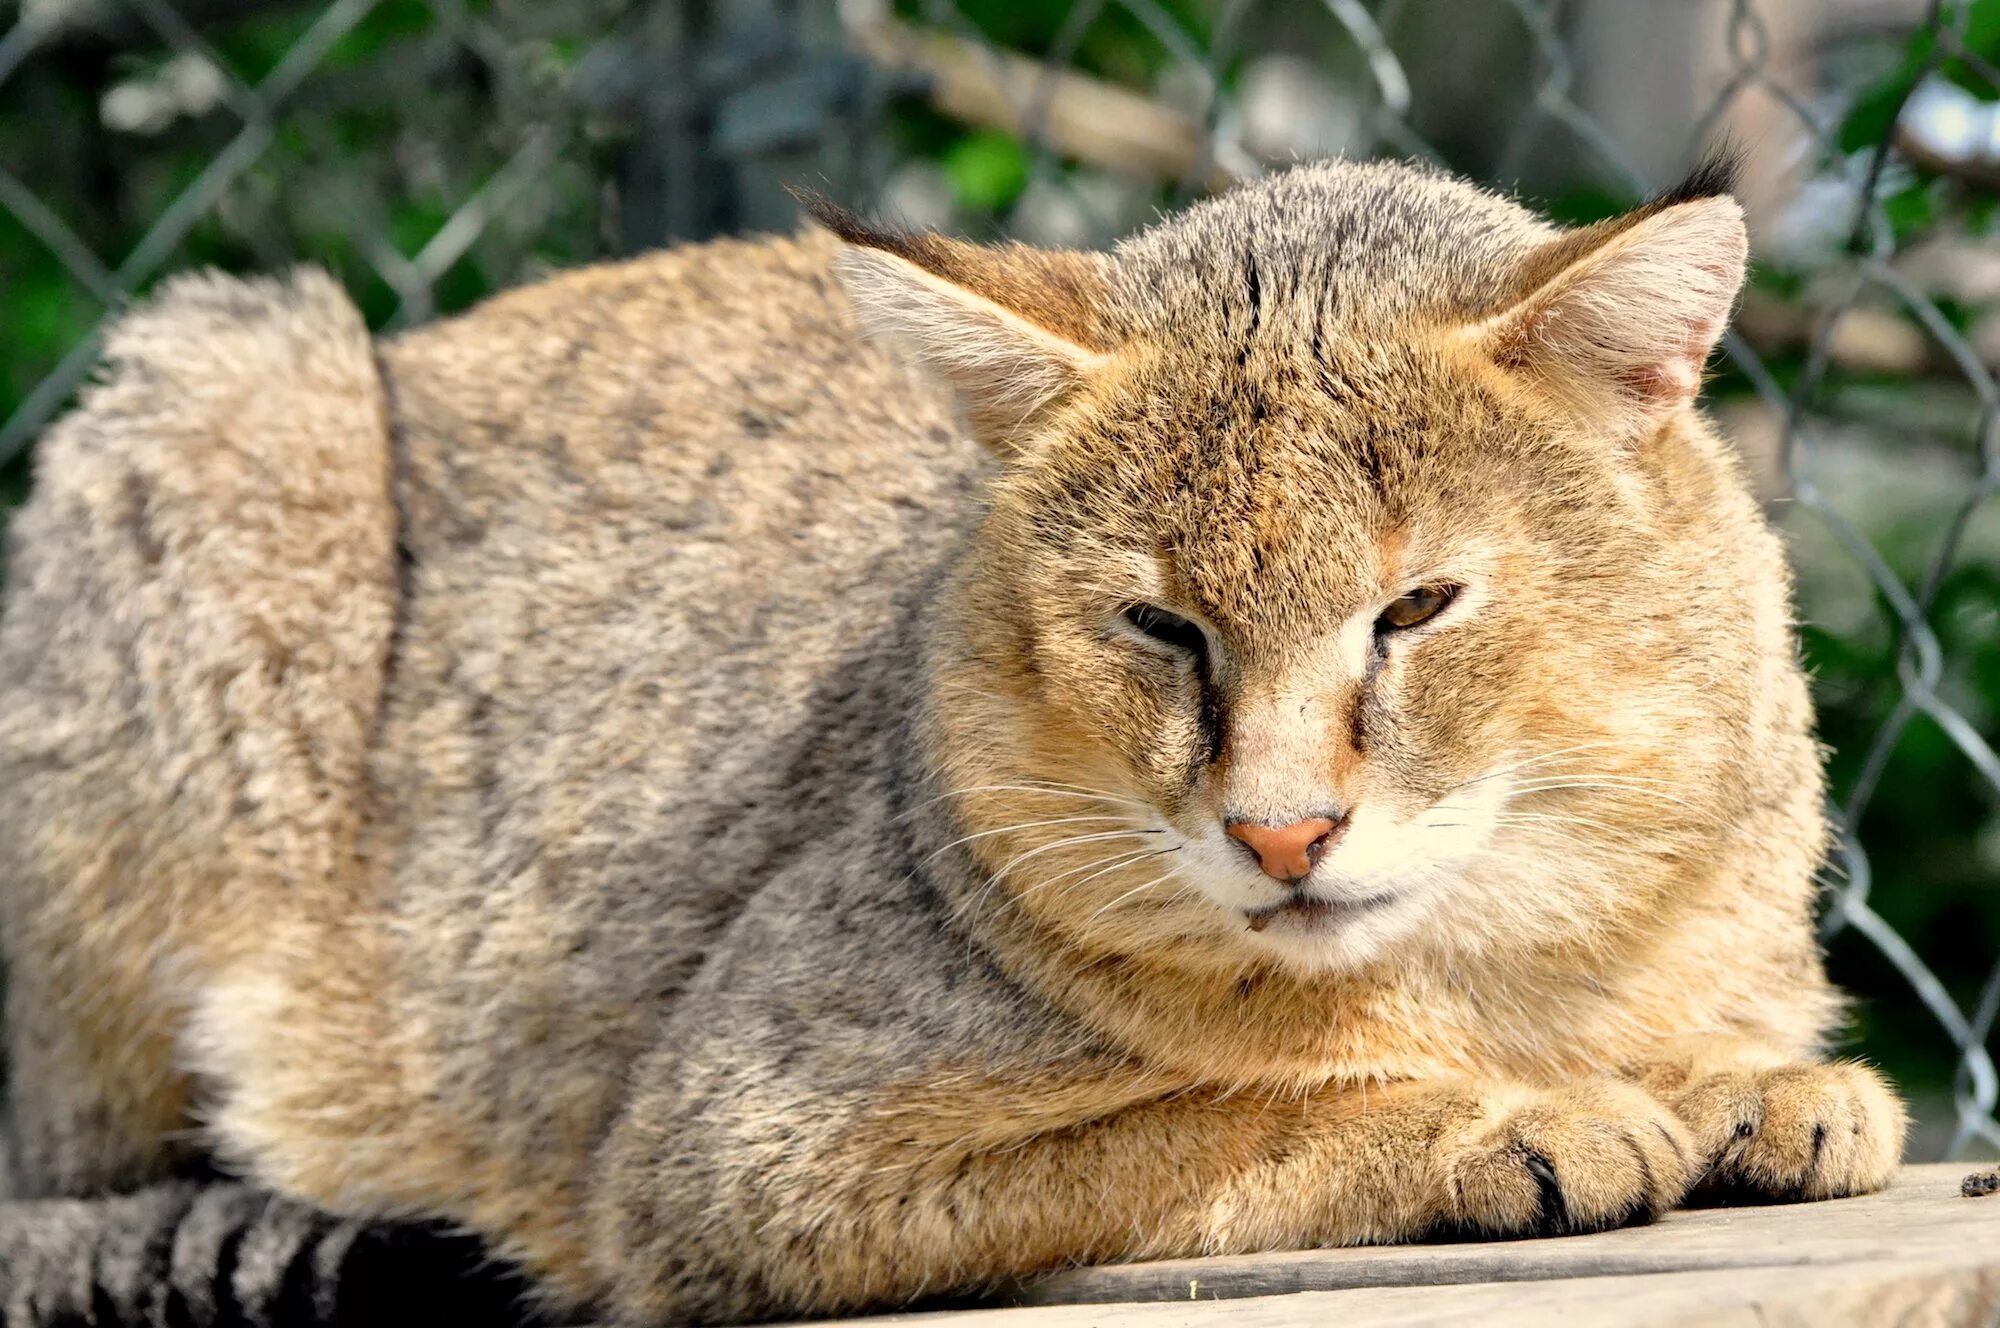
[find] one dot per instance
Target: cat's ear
(1618, 321)
(1014, 330)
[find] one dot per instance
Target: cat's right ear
(1013, 330)
(1621, 318)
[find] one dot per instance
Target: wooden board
(1919, 1253)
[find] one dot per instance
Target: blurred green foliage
(402, 119)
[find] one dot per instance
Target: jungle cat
(795, 775)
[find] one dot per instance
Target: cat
(790, 776)
(207, 1254)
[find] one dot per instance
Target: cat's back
(534, 642)
(664, 525)
(664, 522)
(712, 405)
(657, 501)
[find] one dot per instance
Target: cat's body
(574, 770)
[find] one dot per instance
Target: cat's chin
(1312, 934)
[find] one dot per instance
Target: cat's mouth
(1310, 913)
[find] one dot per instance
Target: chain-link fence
(430, 151)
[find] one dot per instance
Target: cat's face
(1311, 647)
(1400, 611)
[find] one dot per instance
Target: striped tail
(194, 1255)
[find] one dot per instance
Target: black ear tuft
(849, 226)
(1714, 176)
(856, 230)
(831, 214)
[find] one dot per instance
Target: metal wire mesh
(535, 134)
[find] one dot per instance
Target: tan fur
(155, 654)
(625, 770)
(1004, 367)
(1621, 334)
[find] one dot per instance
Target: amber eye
(1420, 605)
(1169, 629)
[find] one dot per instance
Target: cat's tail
(193, 1255)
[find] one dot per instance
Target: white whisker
(1602, 785)
(1090, 794)
(1535, 818)
(1070, 842)
(1025, 825)
(1137, 889)
(1102, 868)
(1638, 783)
(1528, 761)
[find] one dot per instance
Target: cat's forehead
(1313, 430)
(1327, 245)
(1272, 498)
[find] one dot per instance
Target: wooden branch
(1078, 116)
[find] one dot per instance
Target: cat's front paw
(1584, 1157)
(1791, 1132)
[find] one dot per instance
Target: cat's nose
(1288, 852)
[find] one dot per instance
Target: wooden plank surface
(1920, 1253)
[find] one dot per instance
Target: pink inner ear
(1677, 377)
(1625, 332)
(1666, 383)
(1674, 379)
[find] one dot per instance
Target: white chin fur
(1341, 944)
(1413, 861)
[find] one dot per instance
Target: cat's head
(1358, 572)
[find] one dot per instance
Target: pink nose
(1287, 852)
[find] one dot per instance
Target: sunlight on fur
(788, 776)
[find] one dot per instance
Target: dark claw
(1551, 1211)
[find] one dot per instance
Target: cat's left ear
(1619, 320)
(1013, 330)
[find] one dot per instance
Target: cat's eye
(1167, 628)
(1419, 606)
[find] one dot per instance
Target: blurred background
(429, 152)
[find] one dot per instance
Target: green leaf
(1873, 115)
(987, 170)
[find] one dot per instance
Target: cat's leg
(944, 1183)
(1768, 1127)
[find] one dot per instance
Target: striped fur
(186, 1254)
